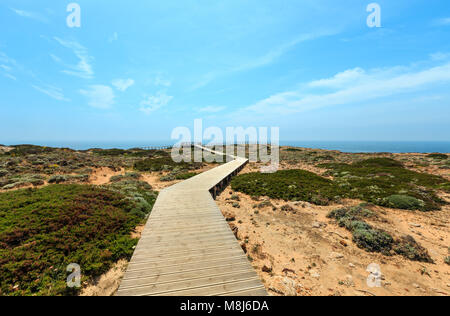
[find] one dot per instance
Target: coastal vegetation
(376, 240)
(44, 230)
(382, 181)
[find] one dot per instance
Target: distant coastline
(343, 146)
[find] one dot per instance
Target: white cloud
(8, 66)
(439, 56)
(153, 103)
(211, 109)
(6, 59)
(353, 86)
(339, 80)
(162, 82)
(7, 75)
(84, 68)
(122, 84)
(99, 96)
(113, 37)
(51, 91)
(443, 21)
(5, 68)
(30, 15)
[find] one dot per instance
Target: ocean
(344, 146)
(375, 146)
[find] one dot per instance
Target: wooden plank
(187, 247)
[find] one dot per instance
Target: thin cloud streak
(264, 60)
(53, 92)
(30, 15)
(84, 68)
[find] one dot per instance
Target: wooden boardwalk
(187, 247)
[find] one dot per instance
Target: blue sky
(135, 70)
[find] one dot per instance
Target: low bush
(22, 150)
(409, 248)
(405, 202)
(447, 260)
(185, 176)
(23, 180)
(438, 156)
(60, 178)
(372, 240)
(376, 240)
(126, 176)
(163, 164)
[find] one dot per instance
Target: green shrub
(163, 164)
(3, 172)
(372, 240)
(405, 202)
(375, 240)
(378, 162)
(44, 230)
(22, 150)
(167, 178)
(23, 180)
(447, 260)
(293, 185)
(185, 176)
(438, 156)
(126, 176)
(409, 248)
(58, 179)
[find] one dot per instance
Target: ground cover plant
(376, 240)
(44, 230)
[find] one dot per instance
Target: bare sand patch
(302, 252)
(101, 176)
(108, 283)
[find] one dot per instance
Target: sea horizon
(343, 146)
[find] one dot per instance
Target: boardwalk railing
(187, 247)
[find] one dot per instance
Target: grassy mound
(22, 150)
(44, 230)
(134, 152)
(293, 185)
(386, 182)
(438, 156)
